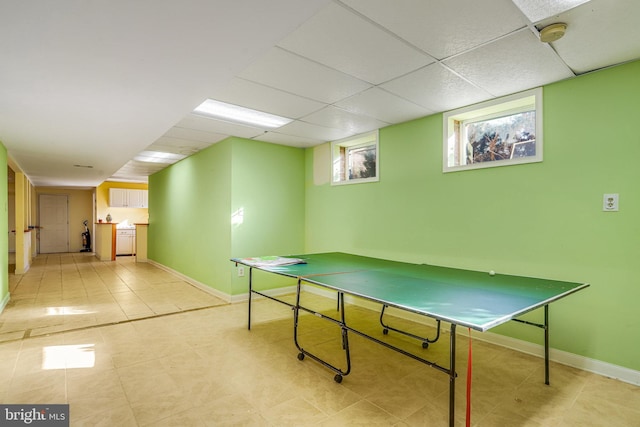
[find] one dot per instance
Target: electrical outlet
(610, 202)
(240, 271)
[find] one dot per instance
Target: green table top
(468, 298)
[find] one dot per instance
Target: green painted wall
(268, 185)
(542, 219)
(191, 204)
(189, 227)
(4, 229)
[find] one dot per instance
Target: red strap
(469, 364)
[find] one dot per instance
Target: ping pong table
(472, 299)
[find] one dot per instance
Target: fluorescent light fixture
(158, 157)
(242, 115)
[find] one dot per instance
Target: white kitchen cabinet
(125, 241)
(128, 198)
(118, 197)
(138, 198)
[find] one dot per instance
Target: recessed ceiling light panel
(158, 157)
(241, 115)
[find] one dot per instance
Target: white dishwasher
(125, 241)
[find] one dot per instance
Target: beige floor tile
(362, 413)
(293, 412)
(322, 392)
(230, 410)
(116, 413)
(128, 344)
(152, 410)
(434, 415)
(189, 417)
(405, 396)
(601, 389)
(587, 412)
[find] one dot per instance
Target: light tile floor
(128, 344)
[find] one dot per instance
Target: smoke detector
(552, 32)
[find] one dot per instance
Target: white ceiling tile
(599, 35)
(292, 73)
(180, 146)
(195, 122)
(263, 98)
(332, 58)
(182, 133)
(109, 77)
(436, 88)
(311, 131)
(384, 106)
(333, 117)
(446, 28)
(354, 46)
(537, 10)
(294, 141)
(512, 64)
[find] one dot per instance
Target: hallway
(128, 344)
(63, 292)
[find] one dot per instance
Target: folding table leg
(250, 294)
(546, 344)
(452, 375)
(343, 330)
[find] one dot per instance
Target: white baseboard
(288, 290)
(208, 289)
(580, 362)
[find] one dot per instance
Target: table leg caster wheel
(300, 356)
(338, 378)
(425, 344)
(385, 331)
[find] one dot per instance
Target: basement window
(355, 159)
(499, 132)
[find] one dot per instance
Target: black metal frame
(425, 341)
(544, 326)
(339, 373)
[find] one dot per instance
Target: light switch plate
(610, 202)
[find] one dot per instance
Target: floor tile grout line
(27, 332)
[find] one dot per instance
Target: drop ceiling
(110, 86)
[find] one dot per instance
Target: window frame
(350, 143)
(453, 124)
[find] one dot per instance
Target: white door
(54, 223)
(12, 222)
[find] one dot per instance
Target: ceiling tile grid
(335, 67)
(346, 42)
(383, 105)
(443, 28)
(436, 88)
(511, 64)
(264, 98)
(359, 65)
(600, 33)
(295, 74)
